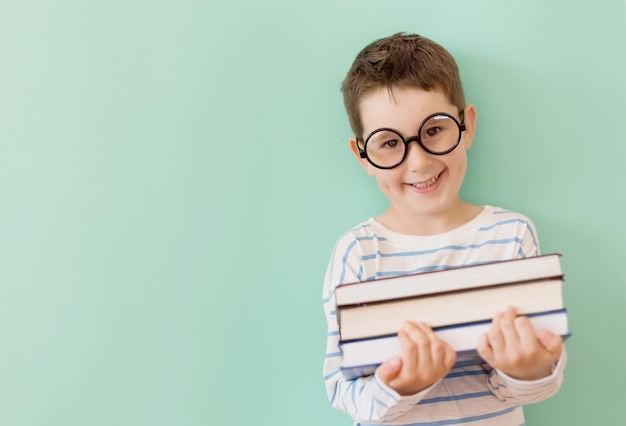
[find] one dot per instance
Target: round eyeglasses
(386, 148)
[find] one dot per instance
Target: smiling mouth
(430, 182)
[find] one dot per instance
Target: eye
(390, 144)
(385, 141)
(437, 127)
(431, 132)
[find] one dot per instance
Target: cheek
(387, 182)
(460, 163)
(383, 184)
(457, 169)
(463, 167)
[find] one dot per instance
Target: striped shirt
(469, 395)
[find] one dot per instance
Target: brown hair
(401, 60)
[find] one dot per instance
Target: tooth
(429, 182)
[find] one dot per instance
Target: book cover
(361, 357)
(484, 274)
(449, 308)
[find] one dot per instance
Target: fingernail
(394, 362)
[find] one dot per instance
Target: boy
(405, 103)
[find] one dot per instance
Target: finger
(449, 357)
(389, 370)
(428, 332)
(484, 349)
(420, 336)
(494, 336)
(441, 353)
(507, 327)
(417, 332)
(526, 332)
(429, 347)
(425, 328)
(409, 348)
(511, 310)
(552, 342)
(437, 349)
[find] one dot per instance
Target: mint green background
(174, 174)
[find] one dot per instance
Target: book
(466, 305)
(484, 274)
(361, 357)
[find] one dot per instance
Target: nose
(416, 158)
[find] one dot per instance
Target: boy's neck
(424, 225)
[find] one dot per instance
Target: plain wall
(174, 174)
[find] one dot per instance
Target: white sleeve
(366, 399)
(514, 391)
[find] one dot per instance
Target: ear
(355, 150)
(470, 126)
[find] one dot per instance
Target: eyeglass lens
(438, 135)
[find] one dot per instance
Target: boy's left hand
(512, 347)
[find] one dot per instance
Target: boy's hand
(425, 359)
(512, 347)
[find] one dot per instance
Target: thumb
(552, 342)
(389, 369)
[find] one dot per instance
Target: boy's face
(424, 185)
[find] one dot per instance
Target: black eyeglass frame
(416, 138)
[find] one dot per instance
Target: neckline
(455, 234)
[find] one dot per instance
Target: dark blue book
(361, 357)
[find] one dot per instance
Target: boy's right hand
(425, 359)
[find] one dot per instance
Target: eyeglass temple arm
(361, 150)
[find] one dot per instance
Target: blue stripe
(455, 397)
(421, 269)
(384, 274)
(532, 234)
(332, 398)
(378, 401)
(504, 222)
(362, 226)
(333, 333)
(351, 385)
(359, 275)
(431, 251)
(372, 237)
(331, 272)
(354, 394)
(343, 401)
(333, 354)
(372, 405)
(467, 373)
(459, 421)
(332, 374)
(515, 220)
(385, 391)
(492, 374)
(344, 261)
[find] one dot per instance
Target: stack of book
(457, 303)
